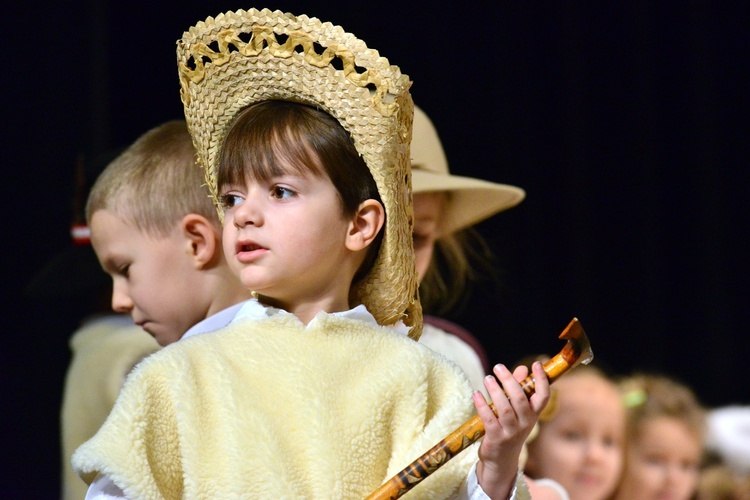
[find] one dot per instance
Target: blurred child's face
(428, 208)
(581, 446)
(150, 276)
(662, 463)
(285, 239)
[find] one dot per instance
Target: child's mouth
(248, 251)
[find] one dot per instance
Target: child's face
(150, 276)
(662, 463)
(428, 208)
(285, 239)
(581, 447)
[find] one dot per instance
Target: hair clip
(633, 398)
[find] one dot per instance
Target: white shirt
(103, 488)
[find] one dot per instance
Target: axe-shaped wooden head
(577, 350)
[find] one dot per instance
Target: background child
(580, 440)
(148, 215)
(664, 439)
(449, 252)
(302, 224)
(155, 231)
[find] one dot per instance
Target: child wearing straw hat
(317, 388)
(446, 206)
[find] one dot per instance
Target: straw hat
(471, 200)
(239, 58)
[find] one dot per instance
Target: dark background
(624, 121)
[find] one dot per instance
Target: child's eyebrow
(111, 263)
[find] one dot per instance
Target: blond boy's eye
(123, 270)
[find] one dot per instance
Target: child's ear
(201, 238)
(365, 225)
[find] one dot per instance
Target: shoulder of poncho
(332, 331)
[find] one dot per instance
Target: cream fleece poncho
(104, 349)
(277, 409)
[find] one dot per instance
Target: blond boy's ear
(365, 225)
(203, 244)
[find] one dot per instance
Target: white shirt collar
(254, 310)
(215, 321)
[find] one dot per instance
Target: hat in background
(471, 200)
(75, 270)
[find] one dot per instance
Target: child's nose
(675, 475)
(596, 451)
(248, 213)
(121, 301)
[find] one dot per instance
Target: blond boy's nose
(121, 302)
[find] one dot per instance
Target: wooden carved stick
(577, 350)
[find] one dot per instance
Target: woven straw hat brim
(240, 58)
(470, 200)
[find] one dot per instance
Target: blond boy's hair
(154, 182)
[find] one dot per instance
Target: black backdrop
(624, 122)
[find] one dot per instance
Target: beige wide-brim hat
(240, 58)
(470, 200)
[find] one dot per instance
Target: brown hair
(649, 396)
(269, 138)
(154, 183)
(459, 259)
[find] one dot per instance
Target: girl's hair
(154, 183)
(459, 259)
(649, 396)
(590, 370)
(272, 137)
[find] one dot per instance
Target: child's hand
(506, 433)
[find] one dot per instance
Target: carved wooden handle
(577, 350)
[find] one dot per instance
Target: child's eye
(609, 441)
(689, 465)
(654, 459)
(228, 201)
(123, 270)
(282, 193)
(571, 435)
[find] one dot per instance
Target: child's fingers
(516, 395)
(484, 411)
(521, 372)
(502, 398)
(541, 396)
